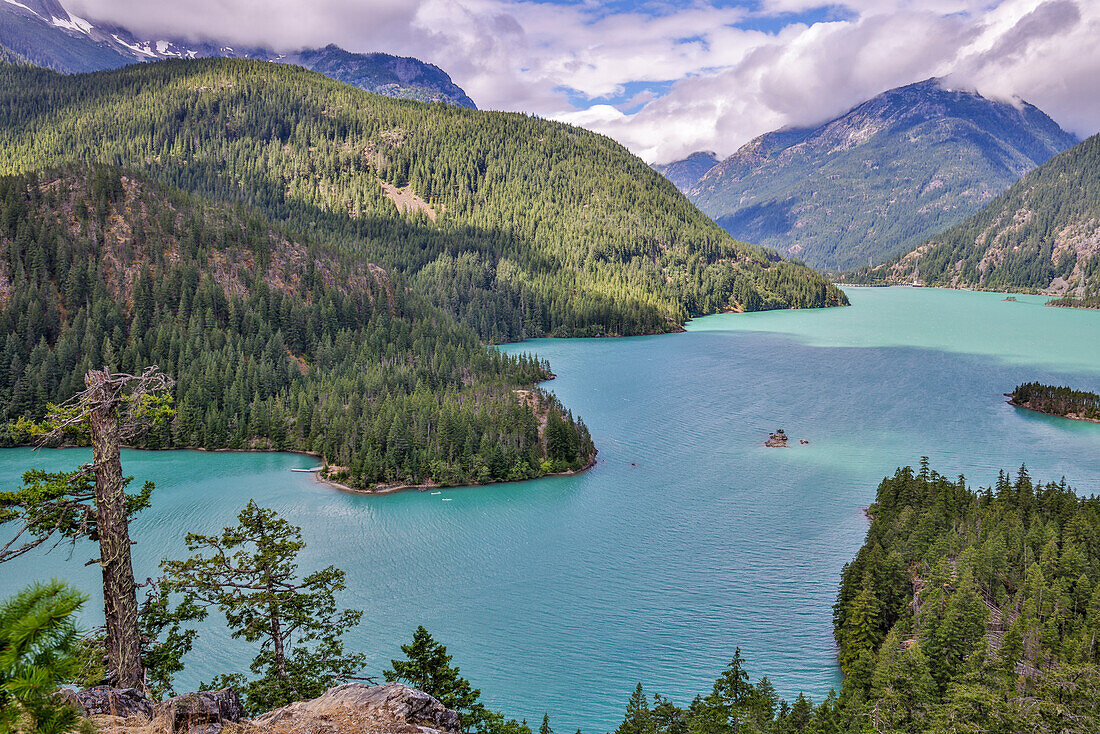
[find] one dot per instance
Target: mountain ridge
(878, 179)
(44, 33)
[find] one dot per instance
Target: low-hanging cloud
(719, 79)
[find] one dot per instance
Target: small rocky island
(780, 440)
(777, 440)
(1064, 402)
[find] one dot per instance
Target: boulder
(204, 712)
(104, 700)
(392, 708)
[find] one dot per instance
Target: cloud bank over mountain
(667, 78)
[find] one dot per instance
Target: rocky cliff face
(392, 708)
(879, 179)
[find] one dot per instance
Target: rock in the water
(777, 440)
(113, 702)
(204, 712)
(390, 708)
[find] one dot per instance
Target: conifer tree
(250, 574)
(38, 652)
(427, 667)
(638, 719)
(92, 501)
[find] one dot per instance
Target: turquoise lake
(689, 538)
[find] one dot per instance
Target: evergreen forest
(274, 342)
(519, 227)
(964, 611)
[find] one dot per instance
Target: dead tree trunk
(120, 605)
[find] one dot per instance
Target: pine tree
(427, 667)
(38, 652)
(637, 719)
(249, 573)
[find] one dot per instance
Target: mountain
(44, 33)
(1043, 234)
(880, 178)
(276, 341)
(393, 76)
(518, 226)
(687, 172)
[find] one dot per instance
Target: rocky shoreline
(1067, 416)
(392, 488)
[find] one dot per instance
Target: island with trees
(1064, 402)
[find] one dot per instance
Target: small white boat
(435, 492)
(316, 468)
(446, 499)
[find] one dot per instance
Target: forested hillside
(1041, 234)
(964, 611)
(276, 341)
(519, 226)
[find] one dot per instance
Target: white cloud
(724, 84)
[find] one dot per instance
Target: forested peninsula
(274, 342)
(1064, 402)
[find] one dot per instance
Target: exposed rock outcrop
(777, 440)
(392, 708)
(353, 708)
(205, 712)
(104, 700)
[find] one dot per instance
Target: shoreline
(301, 452)
(1070, 417)
(1052, 298)
(394, 488)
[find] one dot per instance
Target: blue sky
(668, 78)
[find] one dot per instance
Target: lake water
(689, 538)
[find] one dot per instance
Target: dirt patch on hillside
(406, 200)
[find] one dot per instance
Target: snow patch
(135, 49)
(73, 23)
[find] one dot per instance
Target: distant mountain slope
(8, 56)
(687, 172)
(879, 179)
(45, 33)
(393, 76)
(519, 226)
(1042, 234)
